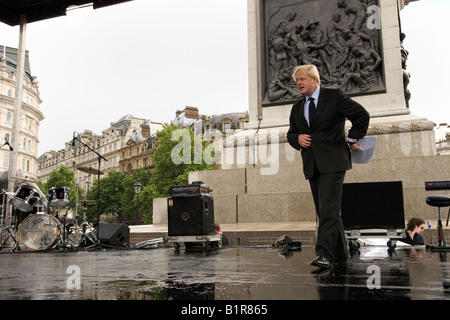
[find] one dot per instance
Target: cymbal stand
(99, 157)
(76, 199)
(2, 221)
(6, 231)
(64, 234)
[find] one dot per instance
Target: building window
(5, 161)
(8, 117)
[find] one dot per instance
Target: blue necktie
(312, 110)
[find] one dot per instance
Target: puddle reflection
(238, 273)
(250, 274)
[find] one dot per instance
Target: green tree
(178, 151)
(117, 194)
(111, 193)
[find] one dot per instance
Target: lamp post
(137, 189)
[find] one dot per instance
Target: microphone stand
(6, 232)
(99, 157)
(7, 143)
(4, 214)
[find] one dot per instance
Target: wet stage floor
(235, 273)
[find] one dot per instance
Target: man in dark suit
(326, 154)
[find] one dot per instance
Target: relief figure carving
(331, 34)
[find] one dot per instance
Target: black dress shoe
(321, 262)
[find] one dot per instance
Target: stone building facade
(31, 115)
(139, 149)
(115, 144)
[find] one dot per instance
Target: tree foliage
(174, 146)
(117, 194)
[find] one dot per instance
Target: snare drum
(25, 198)
(40, 232)
(59, 197)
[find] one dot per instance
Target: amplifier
(190, 216)
(373, 205)
(189, 190)
(437, 185)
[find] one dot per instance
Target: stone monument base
(275, 190)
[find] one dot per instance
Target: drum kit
(50, 221)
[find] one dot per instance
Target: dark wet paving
(236, 273)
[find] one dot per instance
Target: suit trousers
(326, 189)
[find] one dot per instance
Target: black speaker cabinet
(373, 205)
(113, 234)
(190, 216)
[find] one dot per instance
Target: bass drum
(40, 232)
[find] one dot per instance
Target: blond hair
(309, 69)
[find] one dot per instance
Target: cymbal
(89, 170)
(24, 179)
(88, 202)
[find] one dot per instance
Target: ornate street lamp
(137, 189)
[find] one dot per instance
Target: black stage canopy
(36, 10)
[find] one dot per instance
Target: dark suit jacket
(329, 150)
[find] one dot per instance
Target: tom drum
(25, 198)
(59, 197)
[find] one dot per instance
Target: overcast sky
(151, 58)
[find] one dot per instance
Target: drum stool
(439, 202)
